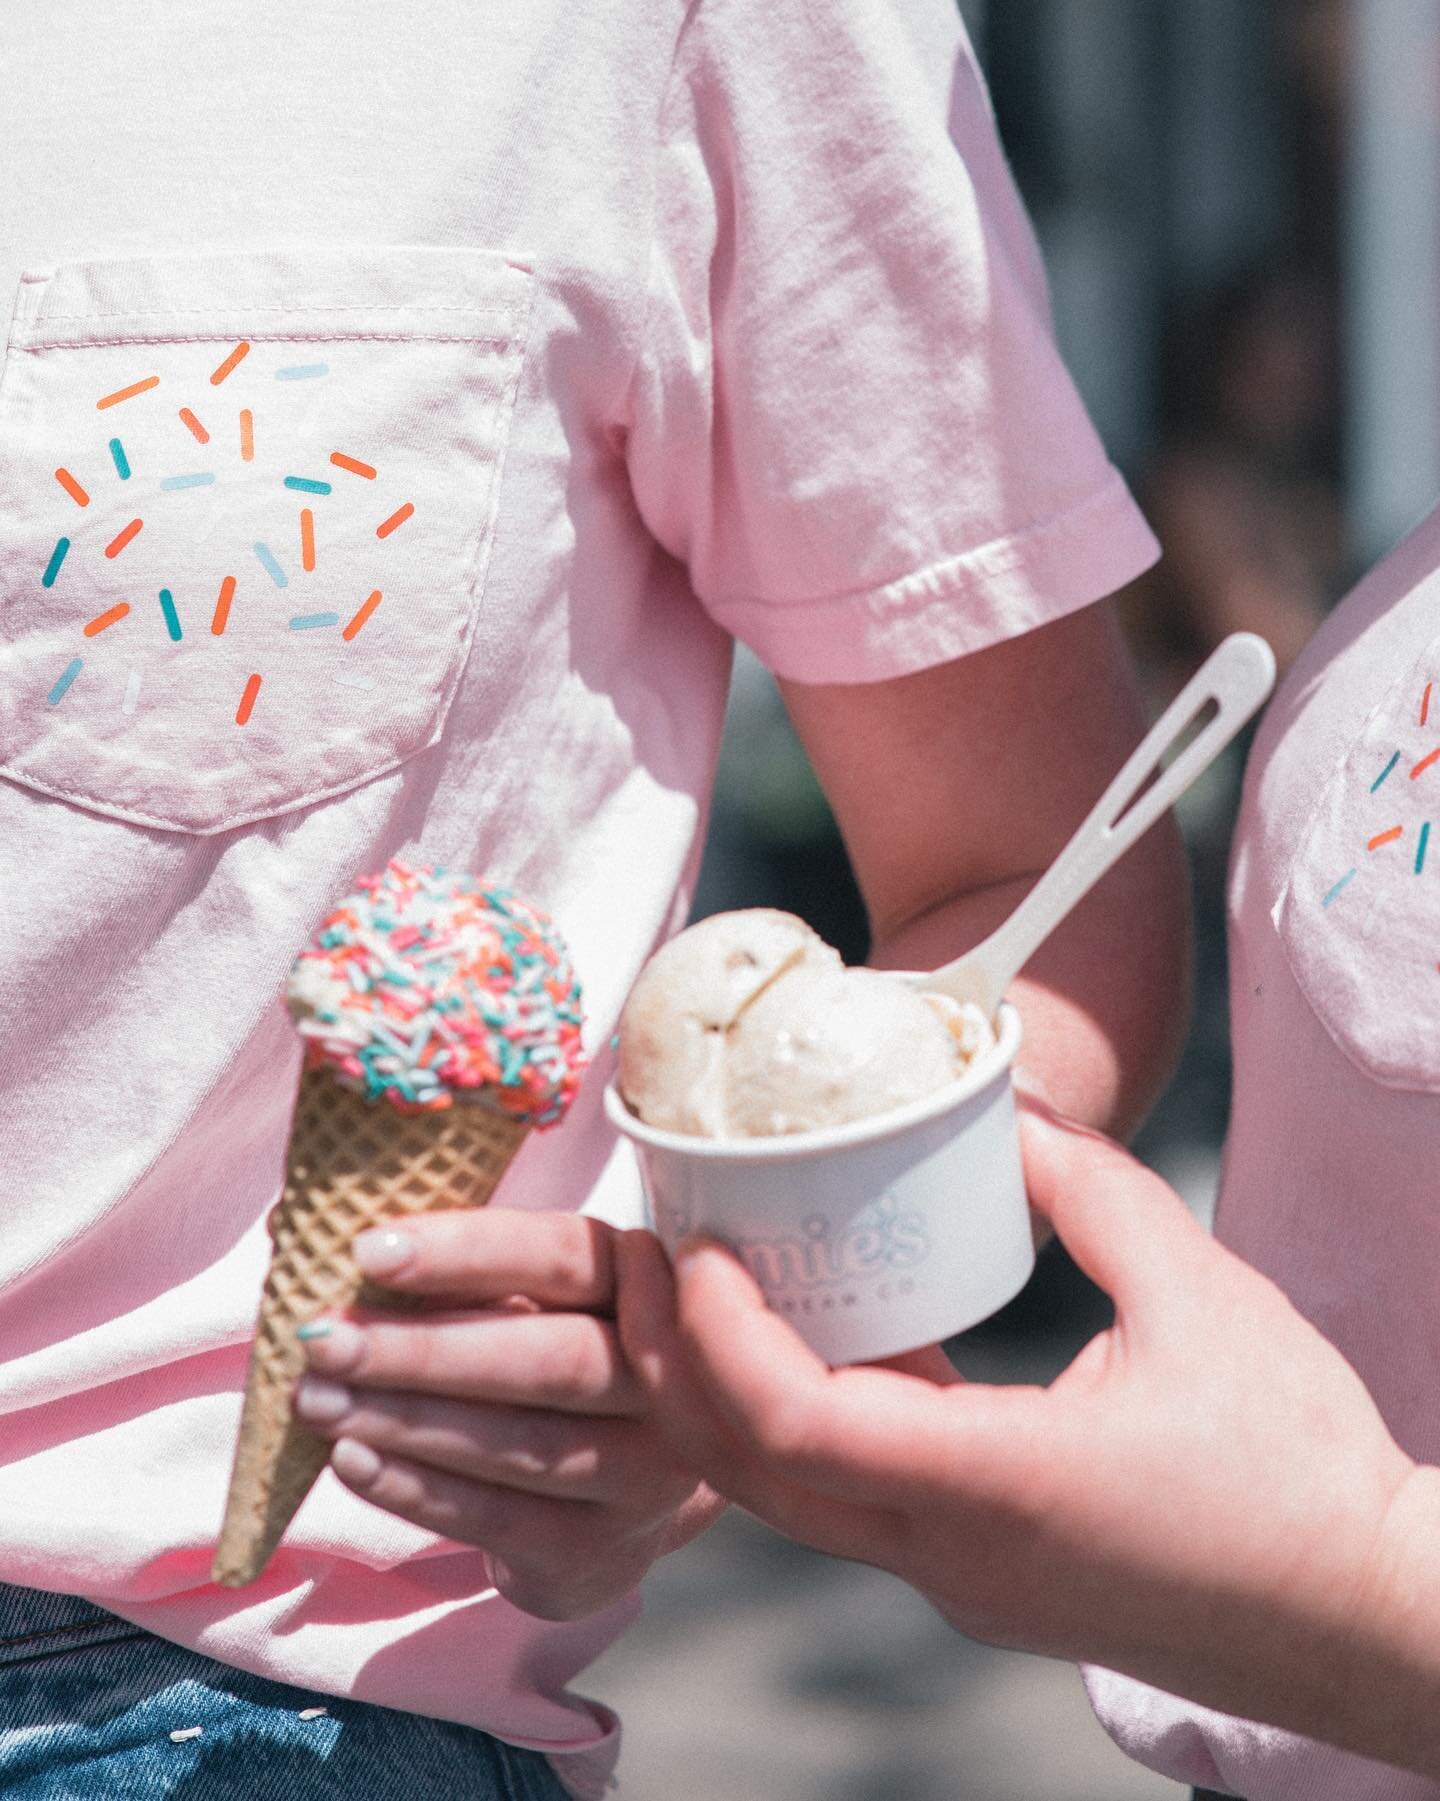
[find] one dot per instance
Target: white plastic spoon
(1236, 678)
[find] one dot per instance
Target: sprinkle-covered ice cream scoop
(427, 987)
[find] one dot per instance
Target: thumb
(1125, 1227)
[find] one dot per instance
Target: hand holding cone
(442, 1021)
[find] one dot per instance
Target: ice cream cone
(443, 1024)
(353, 1163)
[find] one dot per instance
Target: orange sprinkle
(307, 539)
(139, 387)
(118, 543)
(398, 518)
(68, 482)
(1424, 764)
(247, 436)
(365, 611)
(341, 461)
(247, 701)
(102, 620)
(236, 356)
(191, 423)
(1389, 837)
(1425, 703)
(222, 606)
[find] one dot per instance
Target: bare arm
(956, 787)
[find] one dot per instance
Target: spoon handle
(1236, 678)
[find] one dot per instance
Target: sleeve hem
(956, 605)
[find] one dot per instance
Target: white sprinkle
(187, 1732)
(312, 1713)
(132, 692)
(355, 681)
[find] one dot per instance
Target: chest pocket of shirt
(1359, 916)
(246, 503)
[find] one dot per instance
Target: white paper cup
(870, 1238)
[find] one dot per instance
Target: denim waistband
(35, 1622)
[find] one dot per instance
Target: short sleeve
(848, 416)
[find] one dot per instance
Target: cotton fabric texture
(1329, 1183)
(669, 323)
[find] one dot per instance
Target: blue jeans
(95, 1709)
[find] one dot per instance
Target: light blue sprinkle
(306, 622)
(122, 462)
(305, 485)
(203, 479)
(1342, 884)
(1385, 772)
(271, 567)
(302, 371)
(52, 568)
(62, 687)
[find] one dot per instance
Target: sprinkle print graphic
(121, 539)
(139, 387)
(364, 613)
(230, 365)
(353, 465)
(271, 567)
(1381, 839)
(230, 434)
(1425, 763)
(63, 686)
(222, 607)
(1425, 702)
(57, 557)
(1384, 774)
(1421, 847)
(172, 618)
(103, 621)
(1340, 887)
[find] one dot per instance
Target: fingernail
(321, 1402)
(354, 1463)
(383, 1252)
(336, 1348)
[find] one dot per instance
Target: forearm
(1105, 1001)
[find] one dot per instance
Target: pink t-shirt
(1330, 1180)
(396, 427)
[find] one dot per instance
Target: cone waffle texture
(352, 1164)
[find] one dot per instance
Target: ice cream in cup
(850, 1133)
(850, 1136)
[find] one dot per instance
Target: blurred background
(1239, 205)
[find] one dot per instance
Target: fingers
(484, 1254)
(554, 1558)
(687, 1411)
(864, 1434)
(1123, 1225)
(566, 1361)
(611, 1461)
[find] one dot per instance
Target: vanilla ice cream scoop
(748, 1025)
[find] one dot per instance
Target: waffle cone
(352, 1164)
